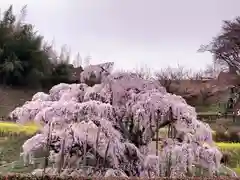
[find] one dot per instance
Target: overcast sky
(132, 33)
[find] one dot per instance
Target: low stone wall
(29, 177)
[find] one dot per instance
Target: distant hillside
(207, 92)
(194, 91)
(11, 98)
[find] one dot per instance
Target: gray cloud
(132, 32)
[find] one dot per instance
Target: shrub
(228, 136)
(226, 158)
(221, 137)
(234, 136)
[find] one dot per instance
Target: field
(13, 128)
(13, 136)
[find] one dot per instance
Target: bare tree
(87, 60)
(226, 46)
(77, 62)
(144, 72)
(170, 75)
(211, 71)
(195, 75)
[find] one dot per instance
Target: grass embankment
(12, 97)
(12, 137)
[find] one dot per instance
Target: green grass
(27, 129)
(10, 149)
(228, 146)
(10, 146)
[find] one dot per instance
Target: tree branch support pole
(157, 136)
(156, 119)
(49, 139)
(61, 156)
(170, 119)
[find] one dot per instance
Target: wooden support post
(49, 139)
(60, 166)
(234, 116)
(157, 133)
(170, 119)
(157, 136)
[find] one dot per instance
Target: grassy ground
(233, 151)
(13, 136)
(10, 155)
(11, 141)
(11, 148)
